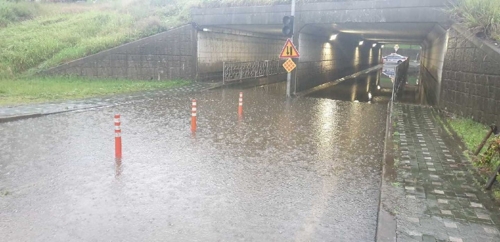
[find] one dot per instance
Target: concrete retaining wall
(431, 65)
(168, 55)
(471, 78)
(322, 60)
(225, 45)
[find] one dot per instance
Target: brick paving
(89, 103)
(435, 196)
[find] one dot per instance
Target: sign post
(289, 51)
(289, 75)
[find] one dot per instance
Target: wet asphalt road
(305, 169)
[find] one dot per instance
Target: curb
(386, 222)
(13, 118)
(19, 117)
(38, 115)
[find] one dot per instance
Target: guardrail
(399, 82)
(400, 79)
(237, 71)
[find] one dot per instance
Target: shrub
(17, 11)
(481, 16)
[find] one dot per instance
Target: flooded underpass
(364, 88)
(304, 169)
(374, 87)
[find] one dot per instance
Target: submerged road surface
(300, 170)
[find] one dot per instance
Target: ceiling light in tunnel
(333, 37)
(374, 45)
(361, 42)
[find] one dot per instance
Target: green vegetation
(496, 194)
(49, 89)
(37, 36)
(403, 47)
(5, 193)
(412, 80)
(11, 12)
(480, 16)
(64, 32)
(471, 132)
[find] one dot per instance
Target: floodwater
(306, 169)
(369, 88)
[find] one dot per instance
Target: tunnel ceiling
(414, 33)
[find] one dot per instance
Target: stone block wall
(323, 60)
(168, 55)
(431, 65)
(217, 46)
(471, 78)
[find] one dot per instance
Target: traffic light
(288, 26)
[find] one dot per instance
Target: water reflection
(375, 87)
(118, 167)
(291, 169)
(365, 88)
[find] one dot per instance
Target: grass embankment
(58, 33)
(11, 12)
(472, 134)
(62, 88)
(480, 16)
(37, 36)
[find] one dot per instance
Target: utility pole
(289, 75)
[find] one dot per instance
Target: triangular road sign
(289, 50)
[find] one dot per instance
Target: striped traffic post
(118, 137)
(193, 116)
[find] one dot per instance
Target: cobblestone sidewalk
(434, 196)
(16, 112)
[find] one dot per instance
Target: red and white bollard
(240, 106)
(118, 137)
(193, 116)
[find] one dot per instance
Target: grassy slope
(62, 88)
(63, 32)
(481, 16)
(38, 36)
(471, 132)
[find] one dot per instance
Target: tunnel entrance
(335, 39)
(374, 87)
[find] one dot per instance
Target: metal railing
(237, 71)
(400, 79)
(399, 82)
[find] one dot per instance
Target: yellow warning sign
(289, 50)
(289, 65)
